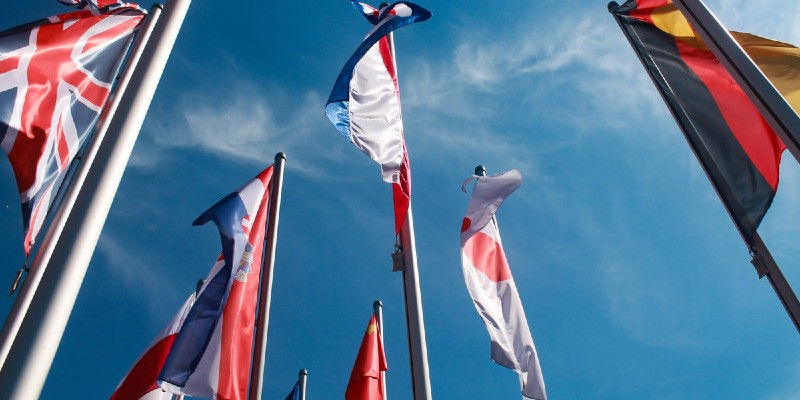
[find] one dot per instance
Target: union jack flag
(55, 77)
(93, 3)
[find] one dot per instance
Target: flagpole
(766, 266)
(31, 355)
(23, 300)
(773, 107)
(303, 376)
(417, 347)
(267, 267)
(377, 308)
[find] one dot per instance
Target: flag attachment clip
(398, 261)
(759, 263)
(17, 278)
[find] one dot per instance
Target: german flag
(735, 146)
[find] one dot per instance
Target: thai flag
(212, 354)
(491, 285)
(140, 382)
(364, 104)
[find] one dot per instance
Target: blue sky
(635, 282)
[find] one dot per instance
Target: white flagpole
(45, 251)
(417, 347)
(377, 307)
(31, 355)
(265, 294)
(303, 378)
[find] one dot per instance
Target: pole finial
(613, 7)
(303, 372)
(280, 155)
(377, 303)
(480, 170)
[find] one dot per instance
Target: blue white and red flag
(212, 354)
(491, 285)
(295, 393)
(55, 77)
(140, 382)
(364, 104)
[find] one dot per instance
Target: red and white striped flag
(491, 285)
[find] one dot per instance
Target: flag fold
(491, 285)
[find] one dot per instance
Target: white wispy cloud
(241, 125)
(138, 272)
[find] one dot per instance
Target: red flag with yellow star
(366, 382)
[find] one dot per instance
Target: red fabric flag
(366, 382)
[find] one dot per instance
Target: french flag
(491, 286)
(212, 353)
(364, 104)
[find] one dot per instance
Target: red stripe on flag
(239, 314)
(142, 378)
(401, 191)
(752, 132)
(487, 256)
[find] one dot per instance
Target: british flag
(55, 77)
(89, 3)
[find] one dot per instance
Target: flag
(366, 382)
(295, 393)
(89, 3)
(734, 144)
(55, 77)
(364, 104)
(491, 285)
(212, 354)
(140, 382)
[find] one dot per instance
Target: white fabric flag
(491, 285)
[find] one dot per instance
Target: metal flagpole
(773, 106)
(45, 251)
(31, 355)
(417, 347)
(265, 293)
(766, 266)
(377, 308)
(775, 110)
(303, 376)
